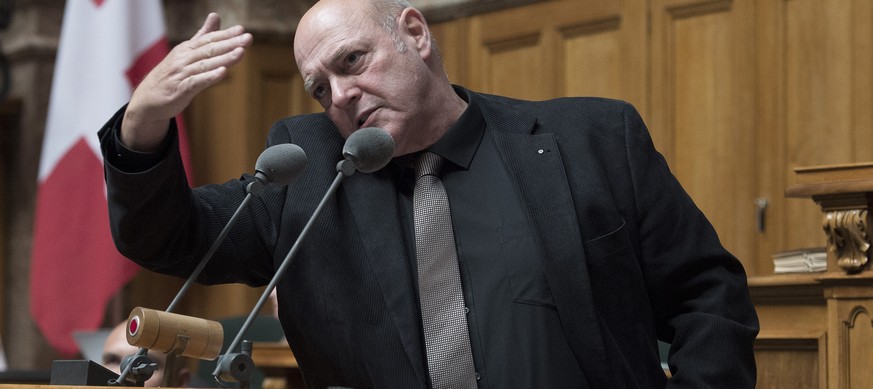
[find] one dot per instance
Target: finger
(212, 23)
(224, 43)
(209, 64)
(228, 34)
(197, 83)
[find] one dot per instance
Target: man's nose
(345, 92)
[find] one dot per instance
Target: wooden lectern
(817, 328)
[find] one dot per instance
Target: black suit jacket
(628, 256)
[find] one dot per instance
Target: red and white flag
(106, 48)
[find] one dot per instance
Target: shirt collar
(458, 145)
(461, 141)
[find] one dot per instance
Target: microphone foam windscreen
(170, 332)
(281, 163)
(370, 149)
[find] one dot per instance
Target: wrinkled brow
(340, 53)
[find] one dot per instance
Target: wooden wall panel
(561, 48)
(219, 149)
(858, 344)
(861, 50)
(792, 347)
(817, 106)
(703, 112)
(605, 54)
(815, 94)
(516, 67)
(791, 361)
(850, 347)
(588, 50)
(272, 85)
(230, 121)
(451, 38)
(769, 134)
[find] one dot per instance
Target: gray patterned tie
(443, 313)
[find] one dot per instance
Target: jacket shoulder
(302, 127)
(561, 104)
(563, 113)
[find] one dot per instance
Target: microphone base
(235, 367)
(81, 373)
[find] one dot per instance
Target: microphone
(369, 149)
(278, 164)
(366, 150)
(170, 332)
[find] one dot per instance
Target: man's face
(358, 72)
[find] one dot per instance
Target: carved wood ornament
(847, 238)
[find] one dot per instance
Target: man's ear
(413, 26)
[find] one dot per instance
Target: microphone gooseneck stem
(342, 172)
(215, 244)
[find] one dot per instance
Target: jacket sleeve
(164, 225)
(698, 290)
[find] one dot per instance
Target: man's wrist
(132, 160)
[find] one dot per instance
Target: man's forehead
(326, 25)
(324, 48)
(327, 41)
(331, 12)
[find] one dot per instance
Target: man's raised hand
(188, 69)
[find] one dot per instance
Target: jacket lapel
(535, 164)
(373, 202)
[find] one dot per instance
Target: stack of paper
(801, 261)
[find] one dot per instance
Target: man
(115, 348)
(576, 249)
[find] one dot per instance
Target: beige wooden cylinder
(171, 332)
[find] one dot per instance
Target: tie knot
(427, 163)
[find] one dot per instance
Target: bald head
(384, 12)
(326, 13)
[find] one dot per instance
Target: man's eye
(353, 58)
(319, 92)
